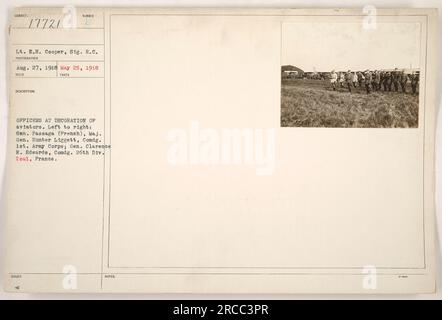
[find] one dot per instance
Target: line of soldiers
(376, 80)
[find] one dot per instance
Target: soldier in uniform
(341, 79)
(384, 80)
(361, 78)
(355, 79)
(373, 81)
(403, 81)
(395, 79)
(333, 79)
(368, 81)
(349, 79)
(377, 80)
(414, 83)
(381, 82)
(388, 80)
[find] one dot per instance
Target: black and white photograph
(346, 76)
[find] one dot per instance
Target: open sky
(343, 46)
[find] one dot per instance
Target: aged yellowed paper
(221, 150)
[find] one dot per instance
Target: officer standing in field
(341, 79)
(368, 80)
(384, 80)
(333, 79)
(395, 79)
(361, 78)
(349, 79)
(355, 79)
(403, 81)
(373, 80)
(381, 80)
(388, 80)
(377, 80)
(373, 83)
(414, 83)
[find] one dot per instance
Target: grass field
(313, 103)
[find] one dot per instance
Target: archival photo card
(151, 151)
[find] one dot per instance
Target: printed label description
(49, 139)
